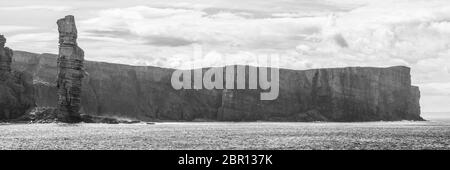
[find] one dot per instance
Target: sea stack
(5, 56)
(70, 71)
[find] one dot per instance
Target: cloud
(26, 37)
(222, 29)
(153, 40)
(44, 42)
(340, 41)
(384, 33)
(14, 28)
(36, 7)
(435, 96)
(168, 41)
(436, 89)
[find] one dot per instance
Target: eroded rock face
(5, 56)
(145, 93)
(335, 94)
(70, 71)
(16, 89)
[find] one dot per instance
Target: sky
(306, 34)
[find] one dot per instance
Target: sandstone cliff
(16, 94)
(16, 88)
(338, 94)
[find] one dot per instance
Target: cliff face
(5, 56)
(16, 89)
(16, 94)
(339, 94)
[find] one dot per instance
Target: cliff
(16, 88)
(145, 93)
(16, 94)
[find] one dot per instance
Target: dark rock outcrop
(50, 115)
(70, 71)
(16, 88)
(145, 93)
(5, 56)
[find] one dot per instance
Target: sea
(401, 135)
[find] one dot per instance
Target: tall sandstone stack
(16, 89)
(70, 71)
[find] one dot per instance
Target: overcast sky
(306, 33)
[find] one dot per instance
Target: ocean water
(434, 134)
(437, 116)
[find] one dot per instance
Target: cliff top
(49, 55)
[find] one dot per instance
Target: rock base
(51, 115)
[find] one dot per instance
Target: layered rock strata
(5, 56)
(146, 93)
(16, 88)
(70, 71)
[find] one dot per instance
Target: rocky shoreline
(50, 115)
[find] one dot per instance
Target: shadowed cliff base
(145, 93)
(51, 115)
(16, 88)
